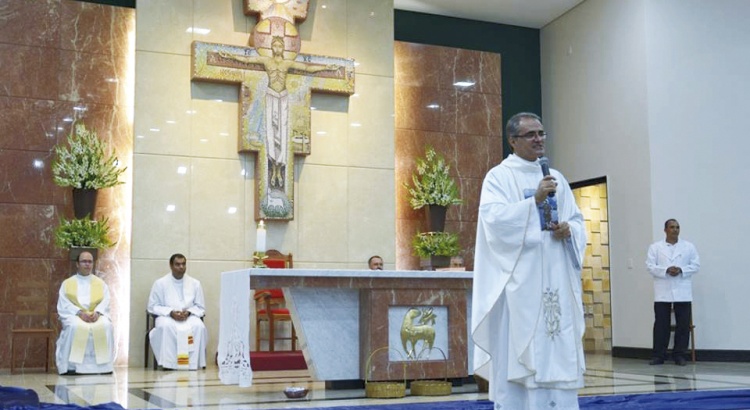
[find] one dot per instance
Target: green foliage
(83, 232)
(83, 163)
(426, 244)
(432, 183)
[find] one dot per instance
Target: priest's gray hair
(511, 127)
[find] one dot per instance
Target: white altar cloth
(235, 332)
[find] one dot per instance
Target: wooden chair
(270, 305)
(673, 327)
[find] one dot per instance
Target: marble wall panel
(31, 23)
(29, 72)
(164, 114)
(479, 114)
(329, 133)
(27, 178)
(162, 27)
(324, 31)
(371, 43)
(28, 231)
(370, 134)
(367, 210)
(29, 124)
(375, 315)
(216, 210)
(463, 124)
(323, 205)
(57, 57)
(98, 28)
(418, 65)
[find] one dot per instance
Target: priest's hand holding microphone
(547, 188)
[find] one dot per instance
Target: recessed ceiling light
(433, 106)
(171, 208)
(182, 170)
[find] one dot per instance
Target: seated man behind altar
(179, 336)
(86, 342)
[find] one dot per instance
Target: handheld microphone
(544, 162)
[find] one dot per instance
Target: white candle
(260, 240)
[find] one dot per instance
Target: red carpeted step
(285, 360)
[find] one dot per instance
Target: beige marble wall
(194, 194)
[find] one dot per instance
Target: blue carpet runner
(693, 400)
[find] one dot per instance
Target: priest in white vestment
(179, 336)
(86, 341)
(527, 311)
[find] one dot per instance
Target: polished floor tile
(137, 388)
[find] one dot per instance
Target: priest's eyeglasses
(542, 135)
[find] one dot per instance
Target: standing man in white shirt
(179, 336)
(672, 262)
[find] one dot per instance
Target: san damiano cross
(275, 88)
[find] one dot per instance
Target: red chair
(270, 305)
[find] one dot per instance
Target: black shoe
(656, 361)
(680, 361)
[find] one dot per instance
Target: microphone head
(544, 161)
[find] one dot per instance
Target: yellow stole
(83, 329)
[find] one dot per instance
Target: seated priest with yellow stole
(179, 336)
(86, 342)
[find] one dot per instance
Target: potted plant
(435, 248)
(83, 234)
(86, 165)
(432, 186)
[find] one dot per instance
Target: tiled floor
(138, 388)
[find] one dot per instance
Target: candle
(260, 240)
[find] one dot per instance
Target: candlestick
(260, 239)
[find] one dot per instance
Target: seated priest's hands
(88, 317)
(560, 230)
(179, 315)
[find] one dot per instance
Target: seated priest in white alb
(179, 337)
(86, 342)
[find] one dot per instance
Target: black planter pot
(84, 202)
(436, 218)
(434, 262)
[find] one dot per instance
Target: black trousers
(663, 323)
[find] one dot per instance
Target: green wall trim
(518, 46)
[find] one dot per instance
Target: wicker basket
(433, 387)
(387, 389)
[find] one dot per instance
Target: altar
(415, 322)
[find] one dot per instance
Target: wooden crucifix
(276, 83)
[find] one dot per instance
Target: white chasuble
(84, 347)
(178, 345)
(527, 312)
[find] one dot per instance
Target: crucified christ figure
(277, 104)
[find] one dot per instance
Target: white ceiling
(524, 13)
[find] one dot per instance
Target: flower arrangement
(83, 163)
(427, 244)
(83, 232)
(432, 183)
